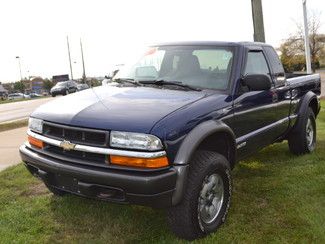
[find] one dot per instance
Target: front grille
(76, 134)
(93, 158)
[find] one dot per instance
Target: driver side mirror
(257, 82)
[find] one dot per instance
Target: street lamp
(21, 77)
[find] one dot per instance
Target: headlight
(135, 141)
(35, 125)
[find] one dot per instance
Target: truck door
(281, 89)
(256, 113)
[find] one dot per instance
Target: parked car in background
(81, 87)
(64, 88)
(35, 95)
(16, 96)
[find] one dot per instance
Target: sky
(114, 32)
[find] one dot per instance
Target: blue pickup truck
(168, 130)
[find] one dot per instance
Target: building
(59, 78)
(8, 86)
(34, 84)
(3, 92)
(37, 84)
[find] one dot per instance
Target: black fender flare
(303, 106)
(189, 146)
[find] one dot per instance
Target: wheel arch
(308, 100)
(313, 104)
(200, 138)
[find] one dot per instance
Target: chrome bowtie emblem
(66, 145)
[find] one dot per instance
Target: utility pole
(21, 76)
(257, 12)
(307, 48)
(83, 64)
(69, 58)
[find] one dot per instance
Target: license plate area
(67, 183)
(73, 185)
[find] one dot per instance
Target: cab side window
(276, 65)
(256, 64)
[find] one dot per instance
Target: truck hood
(135, 109)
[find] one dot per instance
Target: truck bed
(309, 81)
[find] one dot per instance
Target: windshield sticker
(150, 51)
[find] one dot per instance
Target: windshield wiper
(174, 83)
(127, 80)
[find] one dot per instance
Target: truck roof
(210, 43)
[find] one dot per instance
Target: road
(10, 141)
(20, 110)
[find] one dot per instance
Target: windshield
(200, 66)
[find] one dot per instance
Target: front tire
(302, 139)
(206, 199)
(66, 92)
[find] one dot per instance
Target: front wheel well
(313, 104)
(222, 143)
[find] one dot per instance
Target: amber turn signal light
(35, 142)
(139, 162)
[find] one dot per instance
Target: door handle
(275, 97)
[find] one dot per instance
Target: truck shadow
(85, 220)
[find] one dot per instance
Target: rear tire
(302, 139)
(206, 200)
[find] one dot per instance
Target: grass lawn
(20, 100)
(277, 197)
(13, 124)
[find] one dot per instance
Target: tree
(19, 86)
(293, 49)
(47, 84)
(94, 82)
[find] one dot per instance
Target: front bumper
(154, 189)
